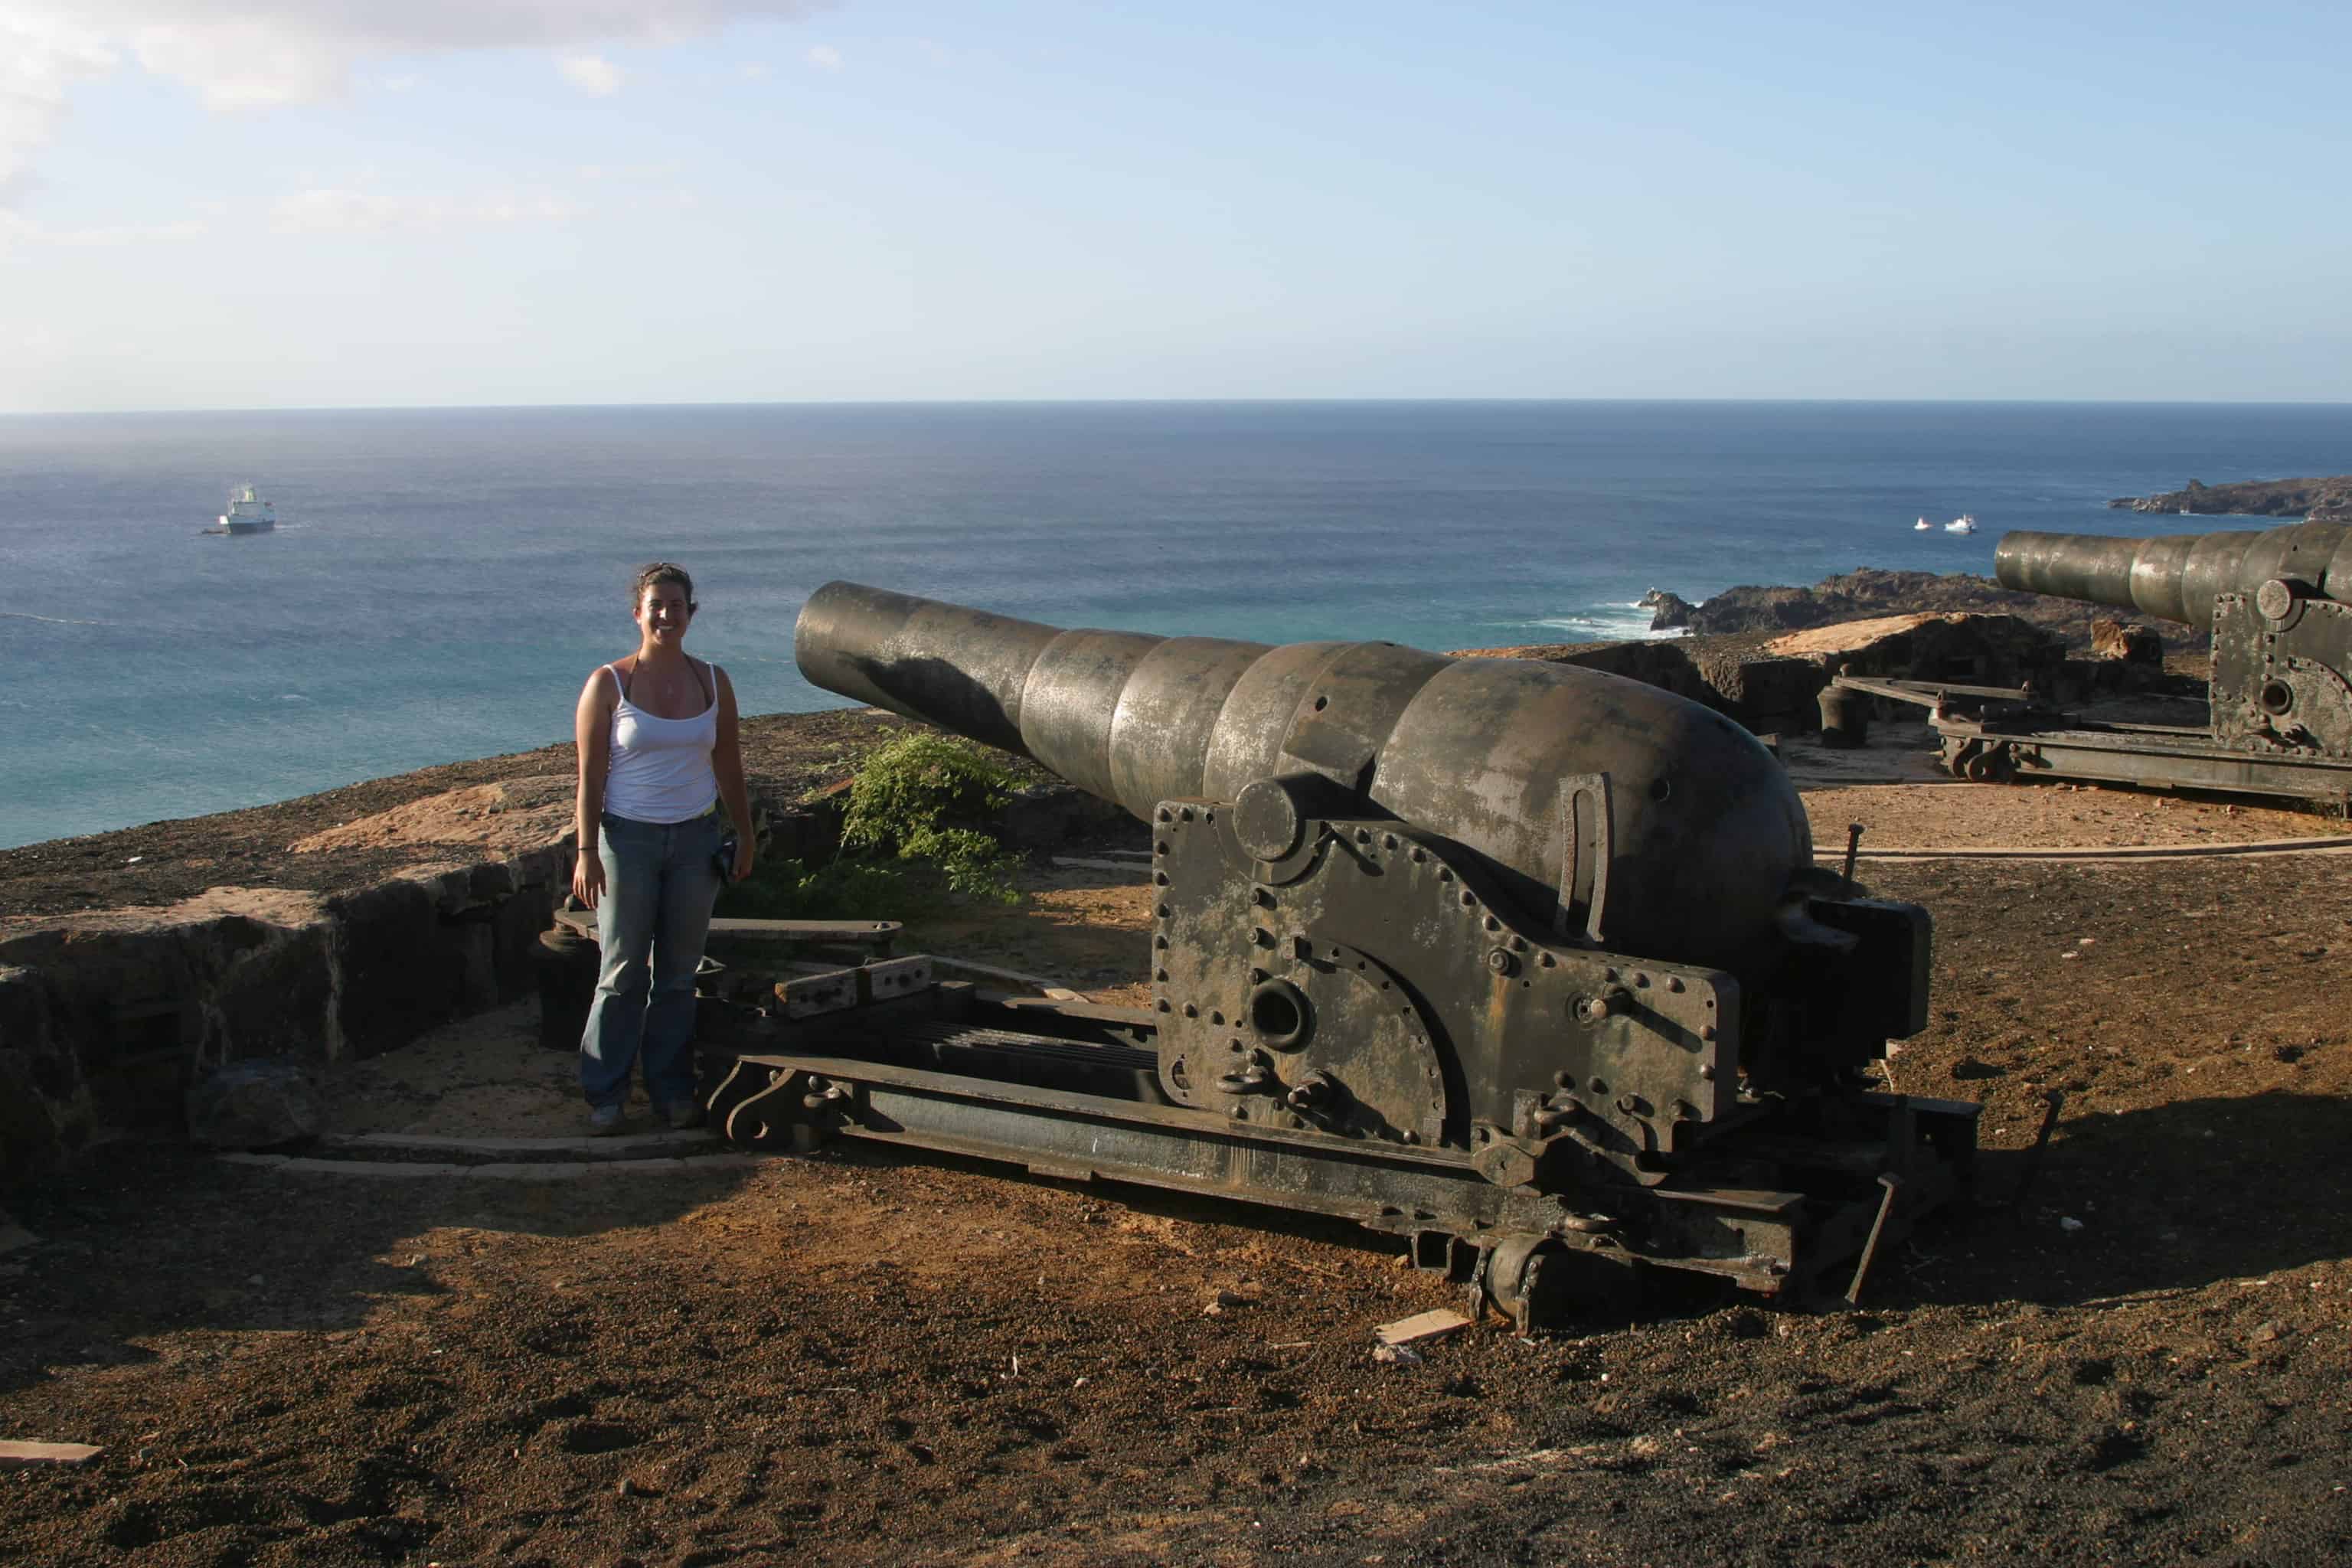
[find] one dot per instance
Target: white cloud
(257, 54)
(19, 233)
(591, 74)
(825, 58)
(107, 235)
(658, 169)
(41, 58)
(346, 210)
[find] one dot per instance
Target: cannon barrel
(2177, 577)
(1705, 837)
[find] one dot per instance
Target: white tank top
(660, 768)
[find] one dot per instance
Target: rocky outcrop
(1669, 612)
(2316, 500)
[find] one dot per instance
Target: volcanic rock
(2314, 501)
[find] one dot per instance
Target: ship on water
(246, 513)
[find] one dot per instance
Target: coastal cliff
(2314, 501)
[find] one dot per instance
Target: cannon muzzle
(2177, 577)
(1637, 816)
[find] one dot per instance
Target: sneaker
(685, 1116)
(604, 1121)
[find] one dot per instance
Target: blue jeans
(659, 884)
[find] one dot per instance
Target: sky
(277, 204)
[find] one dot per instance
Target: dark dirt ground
(859, 1357)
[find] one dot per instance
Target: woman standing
(658, 753)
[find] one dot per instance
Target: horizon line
(1188, 402)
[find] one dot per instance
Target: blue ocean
(442, 580)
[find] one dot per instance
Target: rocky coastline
(2327, 499)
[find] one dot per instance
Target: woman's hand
(742, 859)
(587, 879)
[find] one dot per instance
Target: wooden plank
(808, 996)
(991, 971)
(876, 935)
(1431, 1325)
(892, 977)
(17, 1454)
(861, 933)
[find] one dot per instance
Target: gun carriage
(2279, 602)
(1527, 964)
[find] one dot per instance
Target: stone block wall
(107, 1017)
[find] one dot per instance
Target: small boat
(246, 513)
(1922, 526)
(1964, 523)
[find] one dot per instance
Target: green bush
(925, 798)
(916, 820)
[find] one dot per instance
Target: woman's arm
(591, 734)
(727, 762)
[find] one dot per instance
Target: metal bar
(2072, 755)
(1894, 1185)
(1386, 1186)
(1925, 693)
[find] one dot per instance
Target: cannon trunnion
(1525, 962)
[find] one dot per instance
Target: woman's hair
(655, 573)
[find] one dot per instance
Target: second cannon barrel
(2176, 577)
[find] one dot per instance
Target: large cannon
(1530, 964)
(2276, 601)
(2279, 713)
